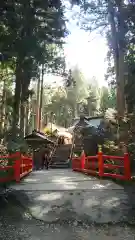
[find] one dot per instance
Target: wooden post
(100, 161)
(127, 169)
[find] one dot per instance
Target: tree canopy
(116, 20)
(78, 98)
(31, 44)
(31, 34)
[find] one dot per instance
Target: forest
(32, 35)
(83, 97)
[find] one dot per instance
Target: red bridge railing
(97, 165)
(15, 166)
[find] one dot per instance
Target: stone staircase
(60, 158)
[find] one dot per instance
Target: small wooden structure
(38, 138)
(89, 132)
(85, 135)
(37, 141)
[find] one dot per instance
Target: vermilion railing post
(72, 166)
(82, 160)
(21, 164)
(100, 162)
(17, 167)
(31, 164)
(127, 169)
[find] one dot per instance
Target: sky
(87, 51)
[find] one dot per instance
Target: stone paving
(62, 195)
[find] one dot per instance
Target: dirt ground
(17, 224)
(63, 205)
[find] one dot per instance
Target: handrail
(21, 166)
(96, 165)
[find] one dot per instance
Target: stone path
(57, 196)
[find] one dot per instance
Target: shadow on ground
(63, 196)
(70, 213)
(17, 224)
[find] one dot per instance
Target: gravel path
(56, 195)
(17, 224)
(69, 213)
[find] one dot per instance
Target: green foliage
(115, 20)
(69, 102)
(104, 99)
(130, 83)
(108, 99)
(92, 100)
(111, 148)
(29, 27)
(18, 145)
(31, 34)
(78, 98)
(50, 133)
(64, 101)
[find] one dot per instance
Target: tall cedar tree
(116, 18)
(27, 30)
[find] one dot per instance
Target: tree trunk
(17, 99)
(41, 99)
(75, 115)
(118, 52)
(121, 86)
(27, 117)
(121, 38)
(3, 107)
(37, 103)
(34, 114)
(24, 99)
(3, 120)
(89, 107)
(24, 88)
(22, 116)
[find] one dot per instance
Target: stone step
(56, 158)
(60, 165)
(59, 159)
(61, 155)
